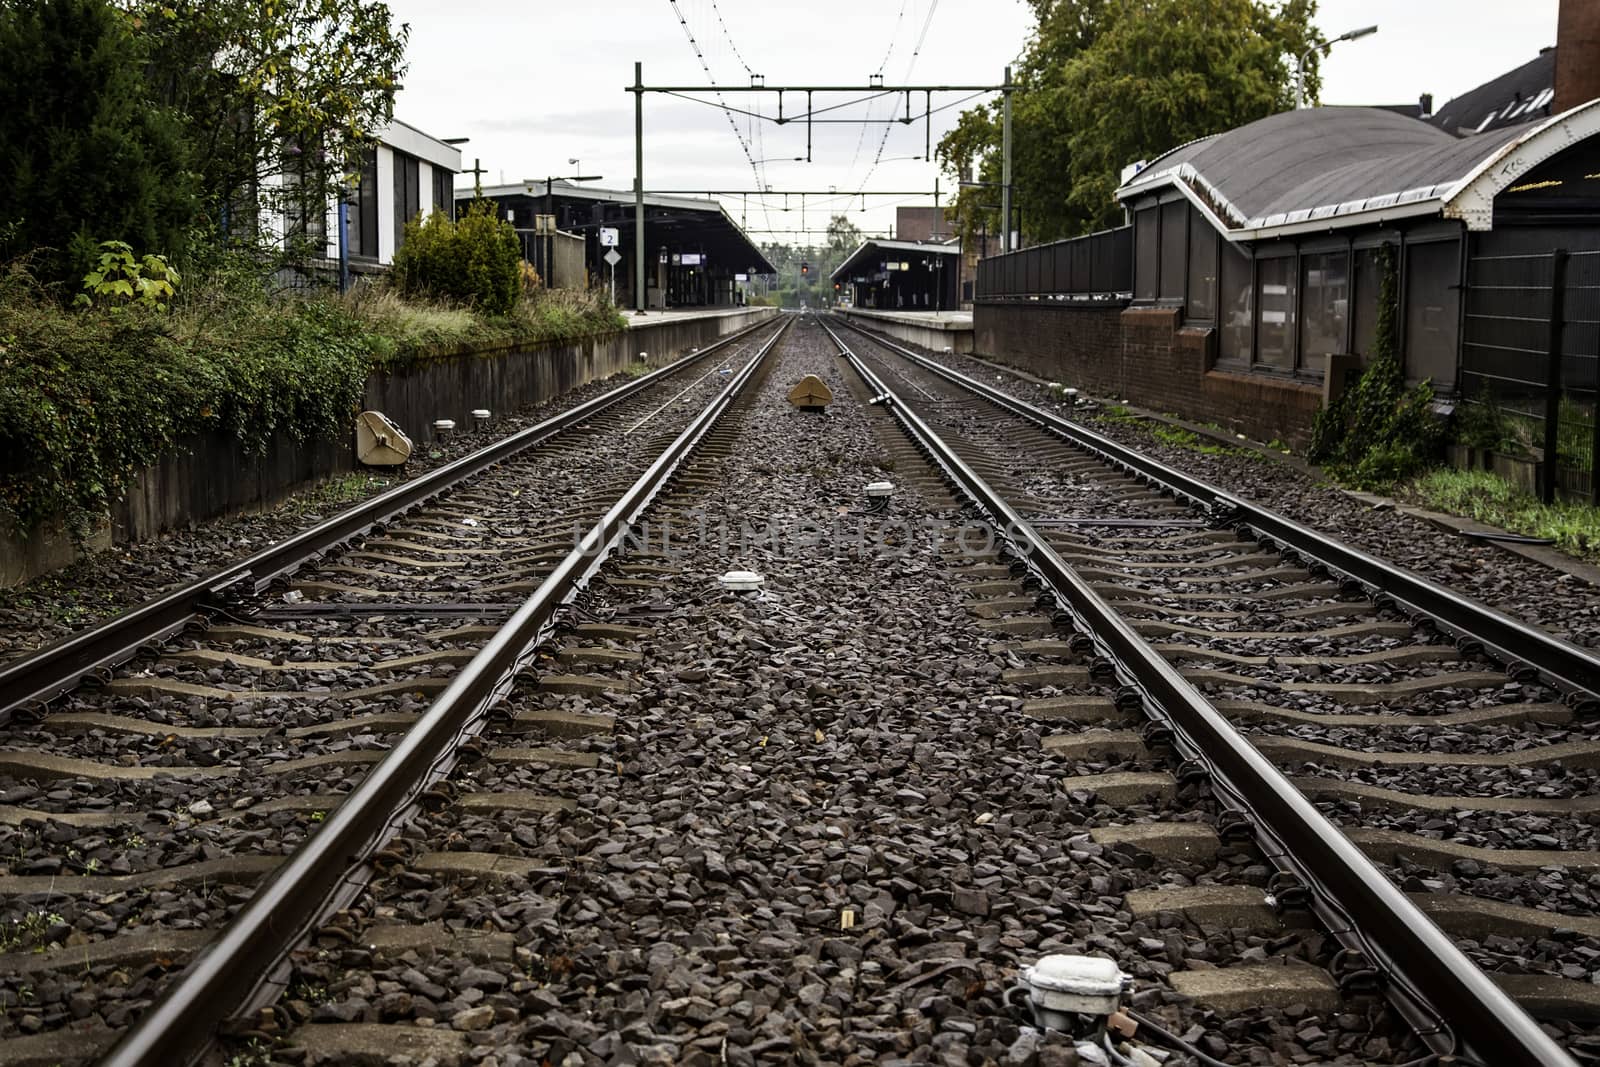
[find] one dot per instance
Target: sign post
(612, 259)
(608, 241)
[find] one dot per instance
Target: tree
(83, 157)
(844, 237)
(1105, 83)
(285, 87)
(816, 287)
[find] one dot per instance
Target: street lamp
(1300, 70)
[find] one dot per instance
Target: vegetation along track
(810, 825)
(1471, 786)
(141, 811)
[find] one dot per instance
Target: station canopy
(675, 222)
(872, 258)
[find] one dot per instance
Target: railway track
(145, 805)
(653, 820)
(1467, 781)
(805, 825)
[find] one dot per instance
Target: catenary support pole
(1005, 165)
(638, 187)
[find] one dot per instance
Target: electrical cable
(694, 44)
(1172, 1040)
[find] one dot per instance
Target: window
(444, 192)
(1275, 326)
(1145, 252)
(304, 210)
(1235, 306)
(407, 193)
(1368, 279)
(363, 210)
(1174, 246)
(1202, 269)
(1433, 304)
(1325, 296)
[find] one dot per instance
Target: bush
(475, 261)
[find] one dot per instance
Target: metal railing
(1096, 266)
(1530, 353)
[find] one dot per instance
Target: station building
(696, 255)
(901, 275)
(1246, 284)
(404, 174)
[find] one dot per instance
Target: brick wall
(1145, 356)
(1577, 54)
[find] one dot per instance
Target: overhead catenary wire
(705, 65)
(911, 63)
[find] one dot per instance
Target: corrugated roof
(1511, 99)
(1319, 163)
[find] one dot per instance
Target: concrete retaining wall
(212, 474)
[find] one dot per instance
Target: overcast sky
(534, 84)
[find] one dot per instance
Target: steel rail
(61, 665)
(1565, 666)
(326, 872)
(1396, 931)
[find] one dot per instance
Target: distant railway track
(1254, 643)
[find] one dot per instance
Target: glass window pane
(1174, 242)
(1367, 279)
(1202, 268)
(1325, 288)
(1145, 253)
(1275, 329)
(1432, 312)
(1236, 305)
(362, 216)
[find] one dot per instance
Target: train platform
(936, 330)
(655, 317)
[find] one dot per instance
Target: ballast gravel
(820, 831)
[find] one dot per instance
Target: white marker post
(608, 241)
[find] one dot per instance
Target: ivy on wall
(1378, 431)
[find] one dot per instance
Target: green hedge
(87, 399)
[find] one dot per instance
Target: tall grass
(1486, 497)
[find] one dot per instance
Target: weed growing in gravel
(334, 492)
(310, 992)
(1117, 413)
(1178, 437)
(29, 933)
(257, 1053)
(1487, 497)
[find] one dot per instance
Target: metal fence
(1529, 356)
(1097, 266)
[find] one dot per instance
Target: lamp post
(548, 246)
(1300, 69)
